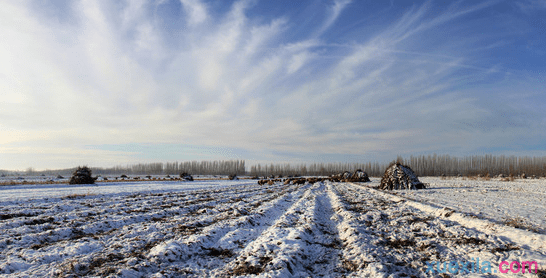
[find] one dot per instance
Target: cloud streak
(216, 75)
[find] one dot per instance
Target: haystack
(398, 176)
(185, 176)
(359, 176)
(82, 175)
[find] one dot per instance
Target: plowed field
(244, 229)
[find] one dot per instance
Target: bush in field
(82, 175)
(398, 176)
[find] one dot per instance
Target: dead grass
(418, 219)
(478, 177)
(77, 196)
(349, 265)
(520, 223)
(423, 246)
(15, 215)
(245, 268)
(187, 230)
(25, 182)
(505, 248)
(510, 178)
(399, 243)
(468, 240)
(218, 252)
(40, 221)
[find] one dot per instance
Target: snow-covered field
(238, 228)
(520, 201)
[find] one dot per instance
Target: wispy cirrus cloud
(531, 5)
(216, 75)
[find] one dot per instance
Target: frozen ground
(237, 228)
(25, 179)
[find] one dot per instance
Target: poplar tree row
(314, 169)
(424, 165)
(221, 167)
(437, 165)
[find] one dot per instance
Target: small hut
(398, 176)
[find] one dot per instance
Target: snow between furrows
(301, 243)
(396, 239)
(117, 229)
(210, 249)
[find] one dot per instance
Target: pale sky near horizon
(105, 83)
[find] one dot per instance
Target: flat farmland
(242, 229)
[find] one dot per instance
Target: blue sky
(104, 83)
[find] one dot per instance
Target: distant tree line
(314, 169)
(221, 167)
(437, 165)
(423, 165)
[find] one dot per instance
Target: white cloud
(528, 6)
(298, 61)
(197, 11)
(114, 76)
(333, 13)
